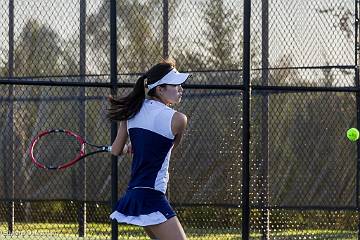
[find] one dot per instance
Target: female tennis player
(155, 129)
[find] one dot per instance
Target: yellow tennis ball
(352, 134)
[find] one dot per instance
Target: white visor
(173, 77)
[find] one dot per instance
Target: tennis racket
(59, 149)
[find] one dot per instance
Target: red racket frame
(78, 157)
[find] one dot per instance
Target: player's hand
(128, 149)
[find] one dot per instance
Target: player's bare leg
(169, 230)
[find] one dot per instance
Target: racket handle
(107, 148)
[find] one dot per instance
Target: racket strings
(56, 148)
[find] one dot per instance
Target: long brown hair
(124, 108)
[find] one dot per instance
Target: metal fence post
(165, 28)
(166, 52)
(357, 84)
(264, 195)
(9, 159)
(246, 123)
(81, 211)
(358, 148)
(113, 79)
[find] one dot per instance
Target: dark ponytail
(126, 107)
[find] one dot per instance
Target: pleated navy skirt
(143, 207)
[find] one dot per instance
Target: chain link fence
(55, 72)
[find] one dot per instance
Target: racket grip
(107, 148)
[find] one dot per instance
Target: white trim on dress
(141, 220)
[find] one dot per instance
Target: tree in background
(219, 46)
(221, 25)
(3, 70)
(37, 53)
(213, 144)
(310, 161)
(343, 17)
(139, 34)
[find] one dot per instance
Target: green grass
(52, 231)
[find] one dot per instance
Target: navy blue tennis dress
(152, 140)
